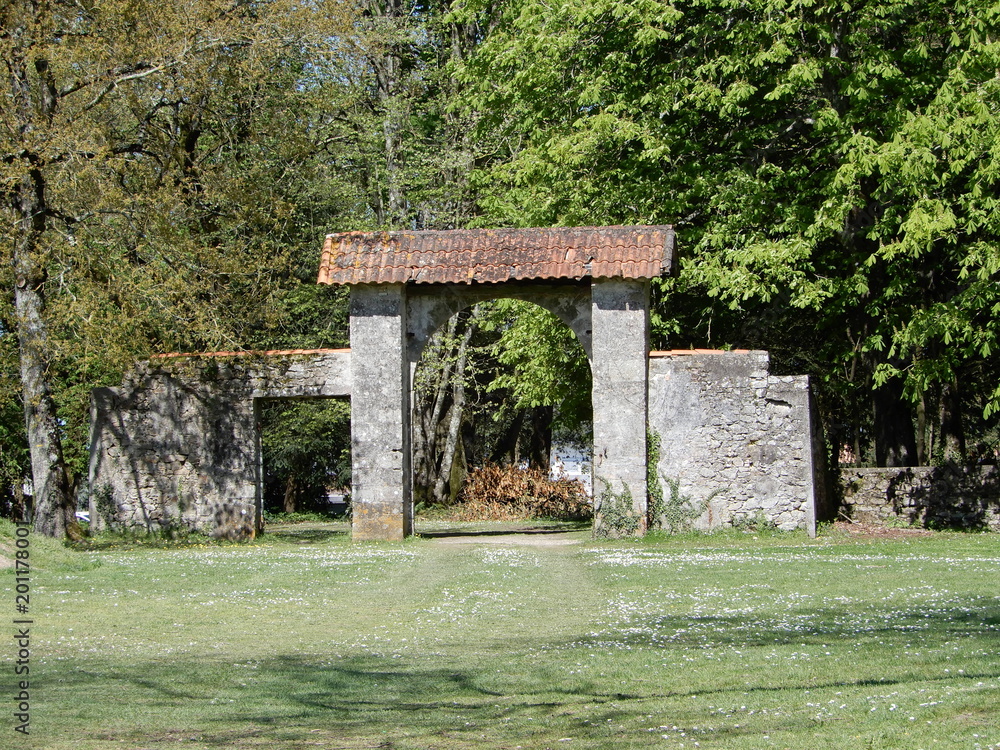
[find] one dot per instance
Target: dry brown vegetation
(508, 493)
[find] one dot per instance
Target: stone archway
(175, 443)
(405, 284)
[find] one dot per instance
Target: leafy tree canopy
(832, 163)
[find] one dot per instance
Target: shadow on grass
(442, 529)
(804, 626)
(514, 690)
(290, 699)
(305, 534)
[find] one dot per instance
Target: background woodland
(168, 171)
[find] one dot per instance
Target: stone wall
(956, 497)
(739, 441)
(177, 443)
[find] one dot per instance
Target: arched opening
(502, 416)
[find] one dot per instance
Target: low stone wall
(957, 497)
(177, 443)
(739, 441)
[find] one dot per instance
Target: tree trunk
(392, 129)
(291, 495)
(506, 450)
(52, 502)
(442, 487)
(430, 401)
(950, 418)
(895, 443)
(388, 68)
(34, 99)
(439, 408)
(540, 441)
(922, 431)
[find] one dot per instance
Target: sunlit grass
(304, 639)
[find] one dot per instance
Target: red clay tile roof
(465, 256)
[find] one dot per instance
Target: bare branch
(112, 85)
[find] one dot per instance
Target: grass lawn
(306, 640)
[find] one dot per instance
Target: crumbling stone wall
(177, 443)
(958, 497)
(739, 441)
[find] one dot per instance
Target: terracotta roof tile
(465, 256)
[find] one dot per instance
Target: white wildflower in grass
(804, 644)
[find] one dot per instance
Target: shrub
(508, 493)
(678, 512)
(616, 514)
(752, 524)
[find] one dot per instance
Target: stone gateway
(177, 443)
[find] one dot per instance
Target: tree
(146, 165)
(440, 408)
(831, 171)
(14, 460)
(306, 447)
(490, 387)
(544, 374)
(415, 156)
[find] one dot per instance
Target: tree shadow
(310, 535)
(282, 696)
(526, 530)
(954, 497)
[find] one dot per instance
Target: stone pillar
(382, 499)
(620, 324)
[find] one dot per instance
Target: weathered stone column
(620, 321)
(382, 499)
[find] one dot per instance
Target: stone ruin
(178, 442)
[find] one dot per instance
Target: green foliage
(165, 536)
(675, 513)
(14, 459)
(753, 524)
(544, 363)
(896, 521)
(654, 490)
(306, 447)
(312, 316)
(832, 174)
(179, 201)
(615, 515)
(104, 504)
(493, 386)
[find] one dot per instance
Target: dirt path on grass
(871, 531)
(525, 536)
